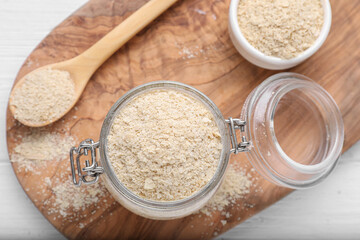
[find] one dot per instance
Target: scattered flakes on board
(204, 13)
(190, 51)
(72, 203)
(237, 185)
(57, 197)
(199, 11)
(39, 147)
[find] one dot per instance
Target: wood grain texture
(161, 51)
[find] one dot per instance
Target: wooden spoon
(82, 67)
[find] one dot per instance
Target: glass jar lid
(295, 130)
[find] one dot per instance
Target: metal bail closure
(234, 124)
(90, 173)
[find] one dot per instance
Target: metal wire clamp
(90, 173)
(234, 124)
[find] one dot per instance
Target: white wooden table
(329, 211)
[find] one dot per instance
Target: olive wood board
(189, 43)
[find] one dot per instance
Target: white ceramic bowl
(258, 58)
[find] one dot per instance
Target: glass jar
(290, 129)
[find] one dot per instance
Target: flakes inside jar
(164, 145)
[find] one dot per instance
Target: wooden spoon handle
(97, 54)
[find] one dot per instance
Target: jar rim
(262, 163)
(314, 168)
(164, 205)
